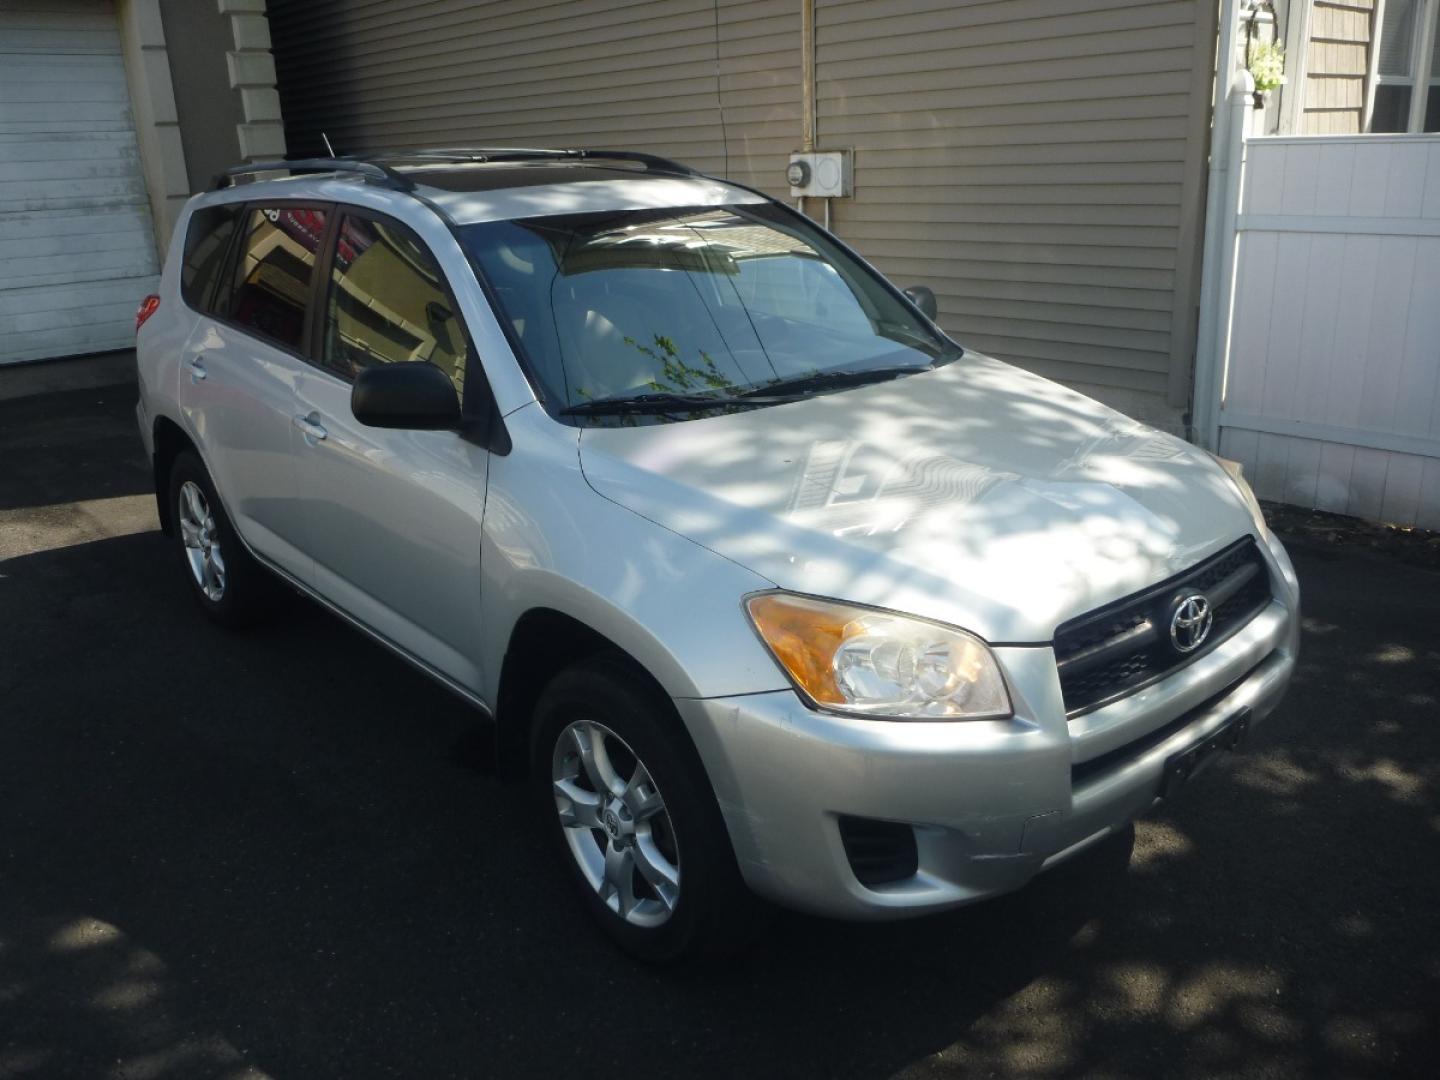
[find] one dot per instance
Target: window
(807, 290)
(716, 300)
(388, 303)
(271, 286)
(1406, 95)
(207, 241)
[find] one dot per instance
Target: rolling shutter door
(715, 85)
(77, 251)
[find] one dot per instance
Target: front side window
(715, 302)
(388, 303)
(1407, 68)
(207, 241)
(271, 286)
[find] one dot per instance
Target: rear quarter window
(207, 242)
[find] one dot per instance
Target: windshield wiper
(764, 394)
(834, 380)
(663, 403)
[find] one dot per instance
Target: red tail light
(148, 307)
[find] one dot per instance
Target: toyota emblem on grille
(1190, 625)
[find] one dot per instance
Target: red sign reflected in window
(355, 237)
(307, 227)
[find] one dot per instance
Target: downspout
(807, 81)
(1232, 99)
(807, 74)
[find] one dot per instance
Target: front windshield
(715, 301)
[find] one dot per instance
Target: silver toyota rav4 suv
(772, 588)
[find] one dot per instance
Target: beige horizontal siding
(1345, 59)
(1327, 93)
(1337, 60)
(1035, 162)
(880, 19)
(1027, 160)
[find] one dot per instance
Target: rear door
(243, 364)
(393, 517)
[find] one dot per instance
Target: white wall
(1332, 391)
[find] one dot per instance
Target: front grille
(880, 852)
(1124, 646)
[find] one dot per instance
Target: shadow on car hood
(978, 494)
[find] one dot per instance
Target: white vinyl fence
(1329, 390)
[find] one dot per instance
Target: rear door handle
(310, 427)
(197, 369)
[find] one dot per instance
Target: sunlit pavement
(280, 855)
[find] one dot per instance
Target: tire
(708, 913)
(230, 586)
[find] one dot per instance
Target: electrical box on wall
(821, 174)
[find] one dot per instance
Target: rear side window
(207, 241)
(388, 303)
(270, 289)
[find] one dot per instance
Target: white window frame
(1421, 77)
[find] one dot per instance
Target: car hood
(977, 494)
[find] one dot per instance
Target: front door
(393, 518)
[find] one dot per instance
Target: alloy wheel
(202, 542)
(616, 824)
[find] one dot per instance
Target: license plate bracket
(1184, 765)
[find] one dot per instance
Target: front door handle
(311, 427)
(197, 369)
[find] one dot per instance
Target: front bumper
(992, 803)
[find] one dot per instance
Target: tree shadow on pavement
(271, 854)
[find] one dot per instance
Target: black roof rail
(518, 154)
(371, 166)
(372, 172)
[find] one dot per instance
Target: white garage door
(76, 248)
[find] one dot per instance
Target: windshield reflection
(713, 301)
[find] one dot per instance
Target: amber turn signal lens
(804, 636)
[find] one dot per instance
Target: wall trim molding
(1357, 226)
(1369, 438)
(252, 73)
(157, 124)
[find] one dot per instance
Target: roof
(572, 190)
(483, 176)
(471, 189)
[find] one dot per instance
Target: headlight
(874, 663)
(1235, 471)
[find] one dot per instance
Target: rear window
(270, 291)
(207, 241)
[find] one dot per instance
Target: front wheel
(634, 818)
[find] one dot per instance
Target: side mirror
(416, 396)
(924, 299)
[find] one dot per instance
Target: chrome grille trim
(1122, 647)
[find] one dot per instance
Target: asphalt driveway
(281, 854)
